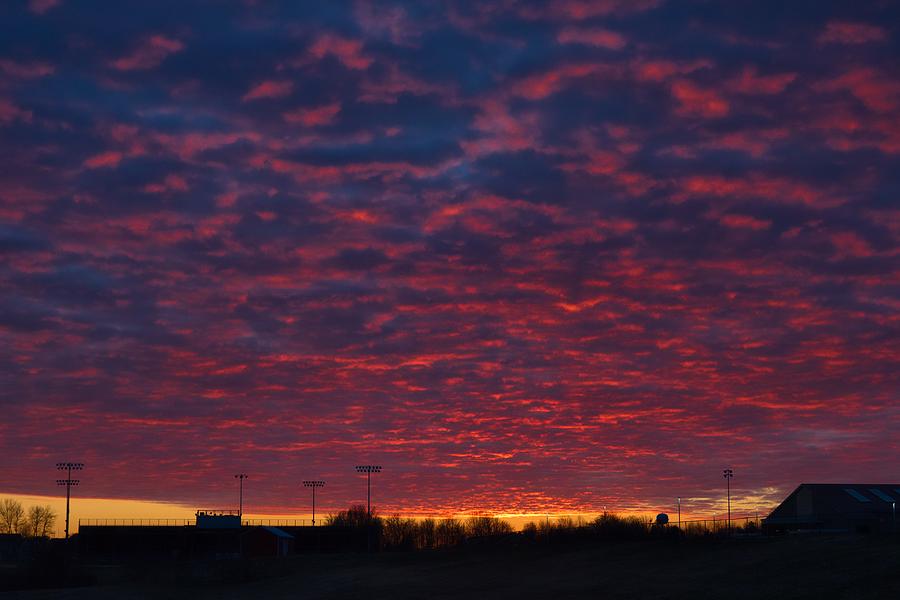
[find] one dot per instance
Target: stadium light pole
(314, 484)
(241, 477)
(728, 474)
(68, 467)
(368, 470)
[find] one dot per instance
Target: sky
(529, 257)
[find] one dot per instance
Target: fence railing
(134, 522)
(276, 522)
(183, 522)
(717, 524)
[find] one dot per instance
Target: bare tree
(12, 516)
(41, 520)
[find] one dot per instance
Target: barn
(266, 541)
(850, 507)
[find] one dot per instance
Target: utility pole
(679, 512)
(241, 477)
(314, 484)
(368, 470)
(68, 467)
(728, 474)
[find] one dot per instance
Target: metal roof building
(859, 507)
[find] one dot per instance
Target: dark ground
(791, 567)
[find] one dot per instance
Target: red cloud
(269, 89)
(745, 221)
(542, 85)
(748, 82)
(592, 37)
(170, 183)
(661, 69)
(347, 51)
(696, 101)
(586, 9)
(879, 92)
(148, 54)
(843, 32)
(311, 117)
(104, 159)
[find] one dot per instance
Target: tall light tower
(368, 470)
(314, 484)
(728, 474)
(241, 477)
(68, 467)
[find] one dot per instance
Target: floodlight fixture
(368, 470)
(728, 474)
(68, 467)
(241, 477)
(314, 483)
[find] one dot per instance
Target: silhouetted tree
(41, 520)
(355, 516)
(399, 533)
(426, 534)
(12, 516)
(486, 526)
(449, 532)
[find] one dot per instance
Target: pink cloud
(269, 89)
(696, 101)
(541, 85)
(745, 222)
(843, 32)
(347, 51)
(312, 117)
(104, 159)
(41, 6)
(148, 54)
(748, 82)
(661, 69)
(169, 184)
(31, 70)
(586, 9)
(878, 91)
(603, 38)
(10, 112)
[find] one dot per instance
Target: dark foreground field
(810, 567)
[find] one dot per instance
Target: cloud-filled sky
(528, 256)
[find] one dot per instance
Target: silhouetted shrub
(612, 526)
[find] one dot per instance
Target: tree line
(36, 522)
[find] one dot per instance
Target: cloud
(348, 51)
(603, 38)
(269, 89)
(312, 117)
(149, 53)
(42, 6)
(844, 32)
(694, 100)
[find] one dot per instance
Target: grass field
(791, 567)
